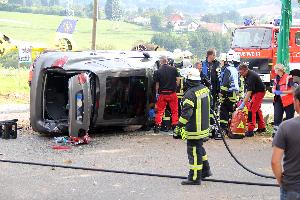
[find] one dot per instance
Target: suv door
(80, 105)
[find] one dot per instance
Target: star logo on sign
(67, 27)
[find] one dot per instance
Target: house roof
(213, 27)
(175, 17)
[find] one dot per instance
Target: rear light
(97, 103)
(59, 63)
(82, 79)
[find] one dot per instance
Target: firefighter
(229, 89)
(204, 79)
(210, 67)
(193, 125)
(283, 98)
(167, 80)
(255, 91)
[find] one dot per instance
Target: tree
(169, 10)
(170, 41)
(155, 22)
(113, 10)
(19, 2)
(54, 2)
(44, 2)
(29, 3)
(169, 27)
(202, 40)
(232, 16)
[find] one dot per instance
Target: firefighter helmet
(225, 57)
(193, 74)
(186, 63)
(234, 55)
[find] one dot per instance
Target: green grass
(14, 87)
(42, 29)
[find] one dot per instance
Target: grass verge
(14, 87)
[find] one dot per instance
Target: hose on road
(133, 173)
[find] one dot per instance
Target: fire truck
(257, 46)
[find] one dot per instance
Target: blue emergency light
(248, 22)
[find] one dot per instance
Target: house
(212, 27)
(142, 21)
(193, 26)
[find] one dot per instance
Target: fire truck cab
(257, 46)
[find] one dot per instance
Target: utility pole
(95, 18)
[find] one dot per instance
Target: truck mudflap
(80, 105)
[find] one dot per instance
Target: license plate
(79, 106)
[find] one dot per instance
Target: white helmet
(178, 58)
(235, 56)
(191, 74)
(223, 56)
(187, 54)
(227, 57)
(186, 63)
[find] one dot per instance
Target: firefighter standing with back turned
(193, 125)
(167, 80)
(229, 89)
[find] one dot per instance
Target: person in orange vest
(283, 99)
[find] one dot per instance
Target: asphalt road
(131, 151)
(128, 151)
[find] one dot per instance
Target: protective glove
(277, 92)
(241, 107)
(180, 131)
(183, 134)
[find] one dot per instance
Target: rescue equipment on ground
(8, 129)
(238, 125)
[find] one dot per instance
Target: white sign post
(24, 54)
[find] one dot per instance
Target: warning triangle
(241, 125)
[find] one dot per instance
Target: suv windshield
(252, 37)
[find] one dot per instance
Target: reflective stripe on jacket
(195, 112)
(229, 79)
(287, 99)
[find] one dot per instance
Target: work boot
(206, 170)
(206, 174)
(189, 182)
(249, 134)
(175, 136)
(156, 128)
(260, 130)
(218, 135)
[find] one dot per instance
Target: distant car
(73, 92)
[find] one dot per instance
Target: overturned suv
(73, 92)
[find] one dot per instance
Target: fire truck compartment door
(80, 105)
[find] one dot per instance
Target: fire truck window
(252, 37)
(125, 97)
(297, 38)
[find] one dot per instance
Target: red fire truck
(257, 46)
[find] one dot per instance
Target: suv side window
(297, 38)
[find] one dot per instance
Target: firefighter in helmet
(193, 126)
(229, 89)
